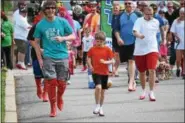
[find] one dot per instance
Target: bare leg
(102, 97)
(98, 93)
(131, 70)
(117, 63)
(178, 58)
(21, 57)
(152, 77)
(142, 77)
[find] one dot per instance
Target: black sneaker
(178, 73)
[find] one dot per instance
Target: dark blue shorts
(36, 69)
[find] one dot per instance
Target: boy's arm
(111, 61)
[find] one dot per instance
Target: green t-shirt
(7, 29)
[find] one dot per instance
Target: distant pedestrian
(178, 30)
(7, 41)
(22, 28)
(72, 61)
(99, 56)
(87, 43)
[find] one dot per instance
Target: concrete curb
(10, 101)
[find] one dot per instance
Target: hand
(41, 63)
(59, 38)
(74, 66)
(91, 68)
(102, 61)
(141, 36)
(2, 34)
(120, 42)
(42, 50)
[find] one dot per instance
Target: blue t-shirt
(46, 31)
(126, 24)
(115, 22)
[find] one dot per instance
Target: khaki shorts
(21, 46)
(56, 69)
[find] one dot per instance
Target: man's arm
(138, 35)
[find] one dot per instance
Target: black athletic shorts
(100, 79)
(126, 52)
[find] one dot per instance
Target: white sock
(143, 93)
(97, 105)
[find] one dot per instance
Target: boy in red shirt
(99, 56)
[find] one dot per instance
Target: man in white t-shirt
(20, 36)
(146, 49)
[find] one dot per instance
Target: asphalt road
(120, 105)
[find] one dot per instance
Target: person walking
(92, 20)
(7, 41)
(99, 56)
(145, 30)
(178, 31)
(126, 41)
(87, 41)
(20, 36)
(54, 32)
(115, 19)
(38, 75)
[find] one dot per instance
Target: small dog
(163, 69)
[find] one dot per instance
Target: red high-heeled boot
(52, 84)
(60, 92)
(39, 87)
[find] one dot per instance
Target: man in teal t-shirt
(54, 32)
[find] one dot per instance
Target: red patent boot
(39, 88)
(60, 92)
(52, 96)
(45, 93)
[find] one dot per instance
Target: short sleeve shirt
(149, 29)
(47, 31)
(87, 43)
(7, 29)
(96, 53)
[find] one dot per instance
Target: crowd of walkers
(149, 37)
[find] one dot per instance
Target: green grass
(3, 78)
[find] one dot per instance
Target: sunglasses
(127, 3)
(182, 4)
(170, 6)
(50, 7)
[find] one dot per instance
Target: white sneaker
(101, 112)
(143, 94)
(152, 96)
(96, 110)
(68, 82)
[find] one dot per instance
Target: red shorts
(146, 62)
